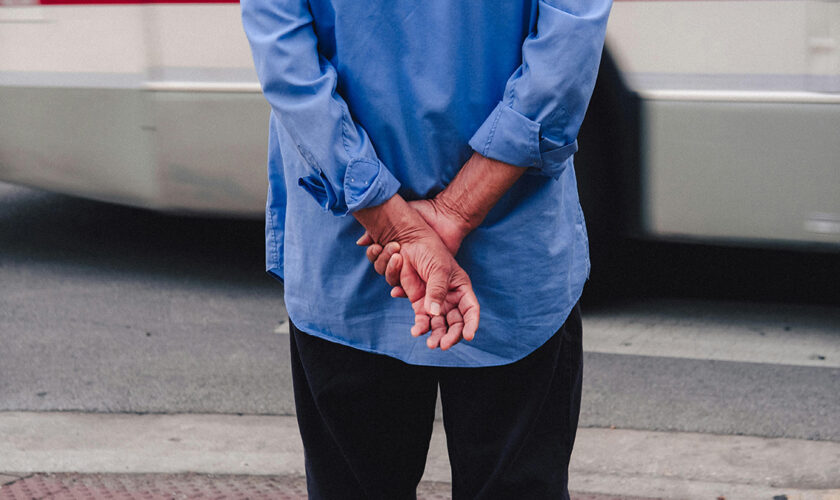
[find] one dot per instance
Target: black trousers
(366, 420)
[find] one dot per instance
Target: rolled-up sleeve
(537, 121)
(300, 85)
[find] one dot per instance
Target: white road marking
(282, 328)
(744, 332)
(725, 331)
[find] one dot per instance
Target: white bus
(713, 120)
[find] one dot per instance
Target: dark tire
(607, 167)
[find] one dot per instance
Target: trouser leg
(510, 429)
(365, 420)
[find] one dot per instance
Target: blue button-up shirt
(377, 97)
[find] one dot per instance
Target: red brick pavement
(186, 486)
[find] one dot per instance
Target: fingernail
(359, 241)
(434, 309)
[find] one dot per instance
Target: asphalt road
(112, 309)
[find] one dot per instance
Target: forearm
(537, 121)
(341, 170)
(476, 188)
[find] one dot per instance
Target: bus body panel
(157, 105)
(740, 117)
(152, 105)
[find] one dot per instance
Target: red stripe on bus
(141, 2)
(730, 1)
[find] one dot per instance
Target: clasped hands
(413, 245)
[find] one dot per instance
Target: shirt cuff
(367, 183)
(513, 138)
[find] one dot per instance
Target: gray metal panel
(93, 142)
(754, 172)
(211, 151)
(173, 151)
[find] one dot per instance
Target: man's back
(418, 88)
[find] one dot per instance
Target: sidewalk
(73, 455)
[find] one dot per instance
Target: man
(441, 134)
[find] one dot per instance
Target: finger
(417, 307)
(454, 316)
(452, 337)
(397, 292)
(392, 271)
(421, 324)
(365, 240)
(383, 258)
(412, 284)
(438, 325)
(455, 325)
(436, 287)
(373, 252)
(471, 311)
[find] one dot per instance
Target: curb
(613, 462)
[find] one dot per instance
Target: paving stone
(30, 488)
(595, 496)
(187, 486)
(153, 487)
(6, 479)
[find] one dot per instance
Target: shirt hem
(455, 361)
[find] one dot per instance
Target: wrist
(461, 219)
(479, 185)
(462, 201)
(393, 220)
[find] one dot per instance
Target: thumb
(365, 240)
(436, 288)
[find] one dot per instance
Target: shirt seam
(275, 253)
(492, 130)
(344, 132)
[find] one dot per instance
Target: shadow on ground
(645, 269)
(54, 230)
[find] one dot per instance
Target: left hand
(459, 313)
